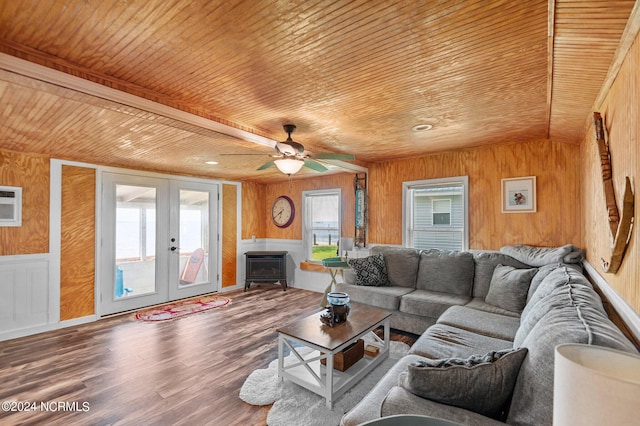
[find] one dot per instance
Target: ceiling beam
(626, 41)
(551, 24)
(59, 78)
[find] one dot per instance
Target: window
(441, 210)
(435, 213)
(321, 223)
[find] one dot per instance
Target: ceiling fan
(291, 156)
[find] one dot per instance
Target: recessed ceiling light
(422, 127)
(212, 162)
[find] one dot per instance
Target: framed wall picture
(519, 195)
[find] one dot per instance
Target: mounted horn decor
(620, 227)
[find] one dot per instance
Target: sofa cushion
(400, 401)
(509, 287)
(445, 341)
(370, 270)
(446, 272)
(369, 408)
(481, 322)
(560, 288)
(480, 383)
(430, 303)
(385, 297)
(572, 323)
(485, 263)
(402, 264)
(540, 256)
(481, 305)
(540, 276)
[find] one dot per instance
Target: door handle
(174, 248)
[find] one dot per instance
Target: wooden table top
(310, 329)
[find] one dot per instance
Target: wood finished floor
(183, 372)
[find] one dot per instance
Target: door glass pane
(194, 237)
(135, 240)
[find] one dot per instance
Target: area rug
(295, 405)
(181, 308)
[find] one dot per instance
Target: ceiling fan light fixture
(289, 166)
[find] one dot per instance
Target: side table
(333, 265)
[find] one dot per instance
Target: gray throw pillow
(480, 383)
(509, 287)
(370, 270)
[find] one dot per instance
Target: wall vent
(10, 206)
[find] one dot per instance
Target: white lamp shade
(289, 166)
(346, 244)
(594, 385)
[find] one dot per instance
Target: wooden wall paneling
(555, 165)
(253, 210)
(77, 251)
(31, 173)
(229, 234)
(621, 114)
(294, 191)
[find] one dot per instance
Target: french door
(159, 240)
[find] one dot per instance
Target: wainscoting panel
(24, 292)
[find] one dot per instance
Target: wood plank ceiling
(354, 76)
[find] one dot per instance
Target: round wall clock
(282, 211)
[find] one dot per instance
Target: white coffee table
(327, 341)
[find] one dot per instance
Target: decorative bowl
(337, 298)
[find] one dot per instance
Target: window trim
(406, 213)
(307, 239)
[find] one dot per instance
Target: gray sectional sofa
(488, 322)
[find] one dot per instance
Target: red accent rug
(181, 308)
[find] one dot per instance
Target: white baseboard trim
(630, 317)
(28, 331)
(231, 288)
(78, 321)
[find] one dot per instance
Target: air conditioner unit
(10, 206)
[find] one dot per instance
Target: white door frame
(215, 260)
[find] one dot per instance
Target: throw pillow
(370, 270)
(480, 383)
(509, 287)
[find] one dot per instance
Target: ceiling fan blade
(266, 165)
(332, 156)
(315, 166)
(289, 147)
